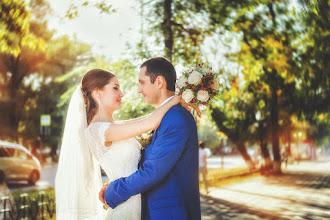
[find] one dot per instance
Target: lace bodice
(118, 160)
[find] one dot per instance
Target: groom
(168, 176)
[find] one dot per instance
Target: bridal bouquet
(198, 85)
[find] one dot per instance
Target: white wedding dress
(119, 160)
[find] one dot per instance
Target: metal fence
(26, 207)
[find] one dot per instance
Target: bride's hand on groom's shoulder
(176, 99)
(188, 106)
(101, 194)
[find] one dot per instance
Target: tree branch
(190, 31)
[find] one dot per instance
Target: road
(48, 172)
(228, 162)
(301, 192)
(47, 180)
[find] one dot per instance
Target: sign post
(45, 123)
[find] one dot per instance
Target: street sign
(45, 120)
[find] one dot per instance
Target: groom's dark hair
(160, 66)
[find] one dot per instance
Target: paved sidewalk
(302, 192)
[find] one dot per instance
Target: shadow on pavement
(211, 206)
(301, 179)
(299, 193)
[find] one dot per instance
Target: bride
(92, 139)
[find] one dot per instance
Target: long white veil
(78, 178)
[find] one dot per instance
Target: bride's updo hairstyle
(95, 78)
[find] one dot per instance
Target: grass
(220, 176)
(34, 193)
(34, 196)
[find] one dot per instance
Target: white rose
(215, 85)
(205, 71)
(203, 95)
(144, 135)
(182, 81)
(195, 78)
(187, 95)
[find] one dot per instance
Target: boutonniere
(145, 139)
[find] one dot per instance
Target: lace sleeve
(96, 136)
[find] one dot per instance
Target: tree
(234, 115)
(45, 98)
(267, 32)
(208, 131)
(314, 56)
(103, 6)
(262, 116)
(177, 28)
(15, 34)
(16, 53)
(20, 71)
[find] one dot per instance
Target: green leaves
(315, 10)
(15, 28)
(177, 28)
(75, 8)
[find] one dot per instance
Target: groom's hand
(101, 193)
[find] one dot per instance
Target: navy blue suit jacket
(168, 178)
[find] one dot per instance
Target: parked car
(18, 163)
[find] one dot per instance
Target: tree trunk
(242, 149)
(263, 146)
(265, 154)
(289, 142)
(275, 136)
(274, 105)
(13, 94)
(167, 29)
